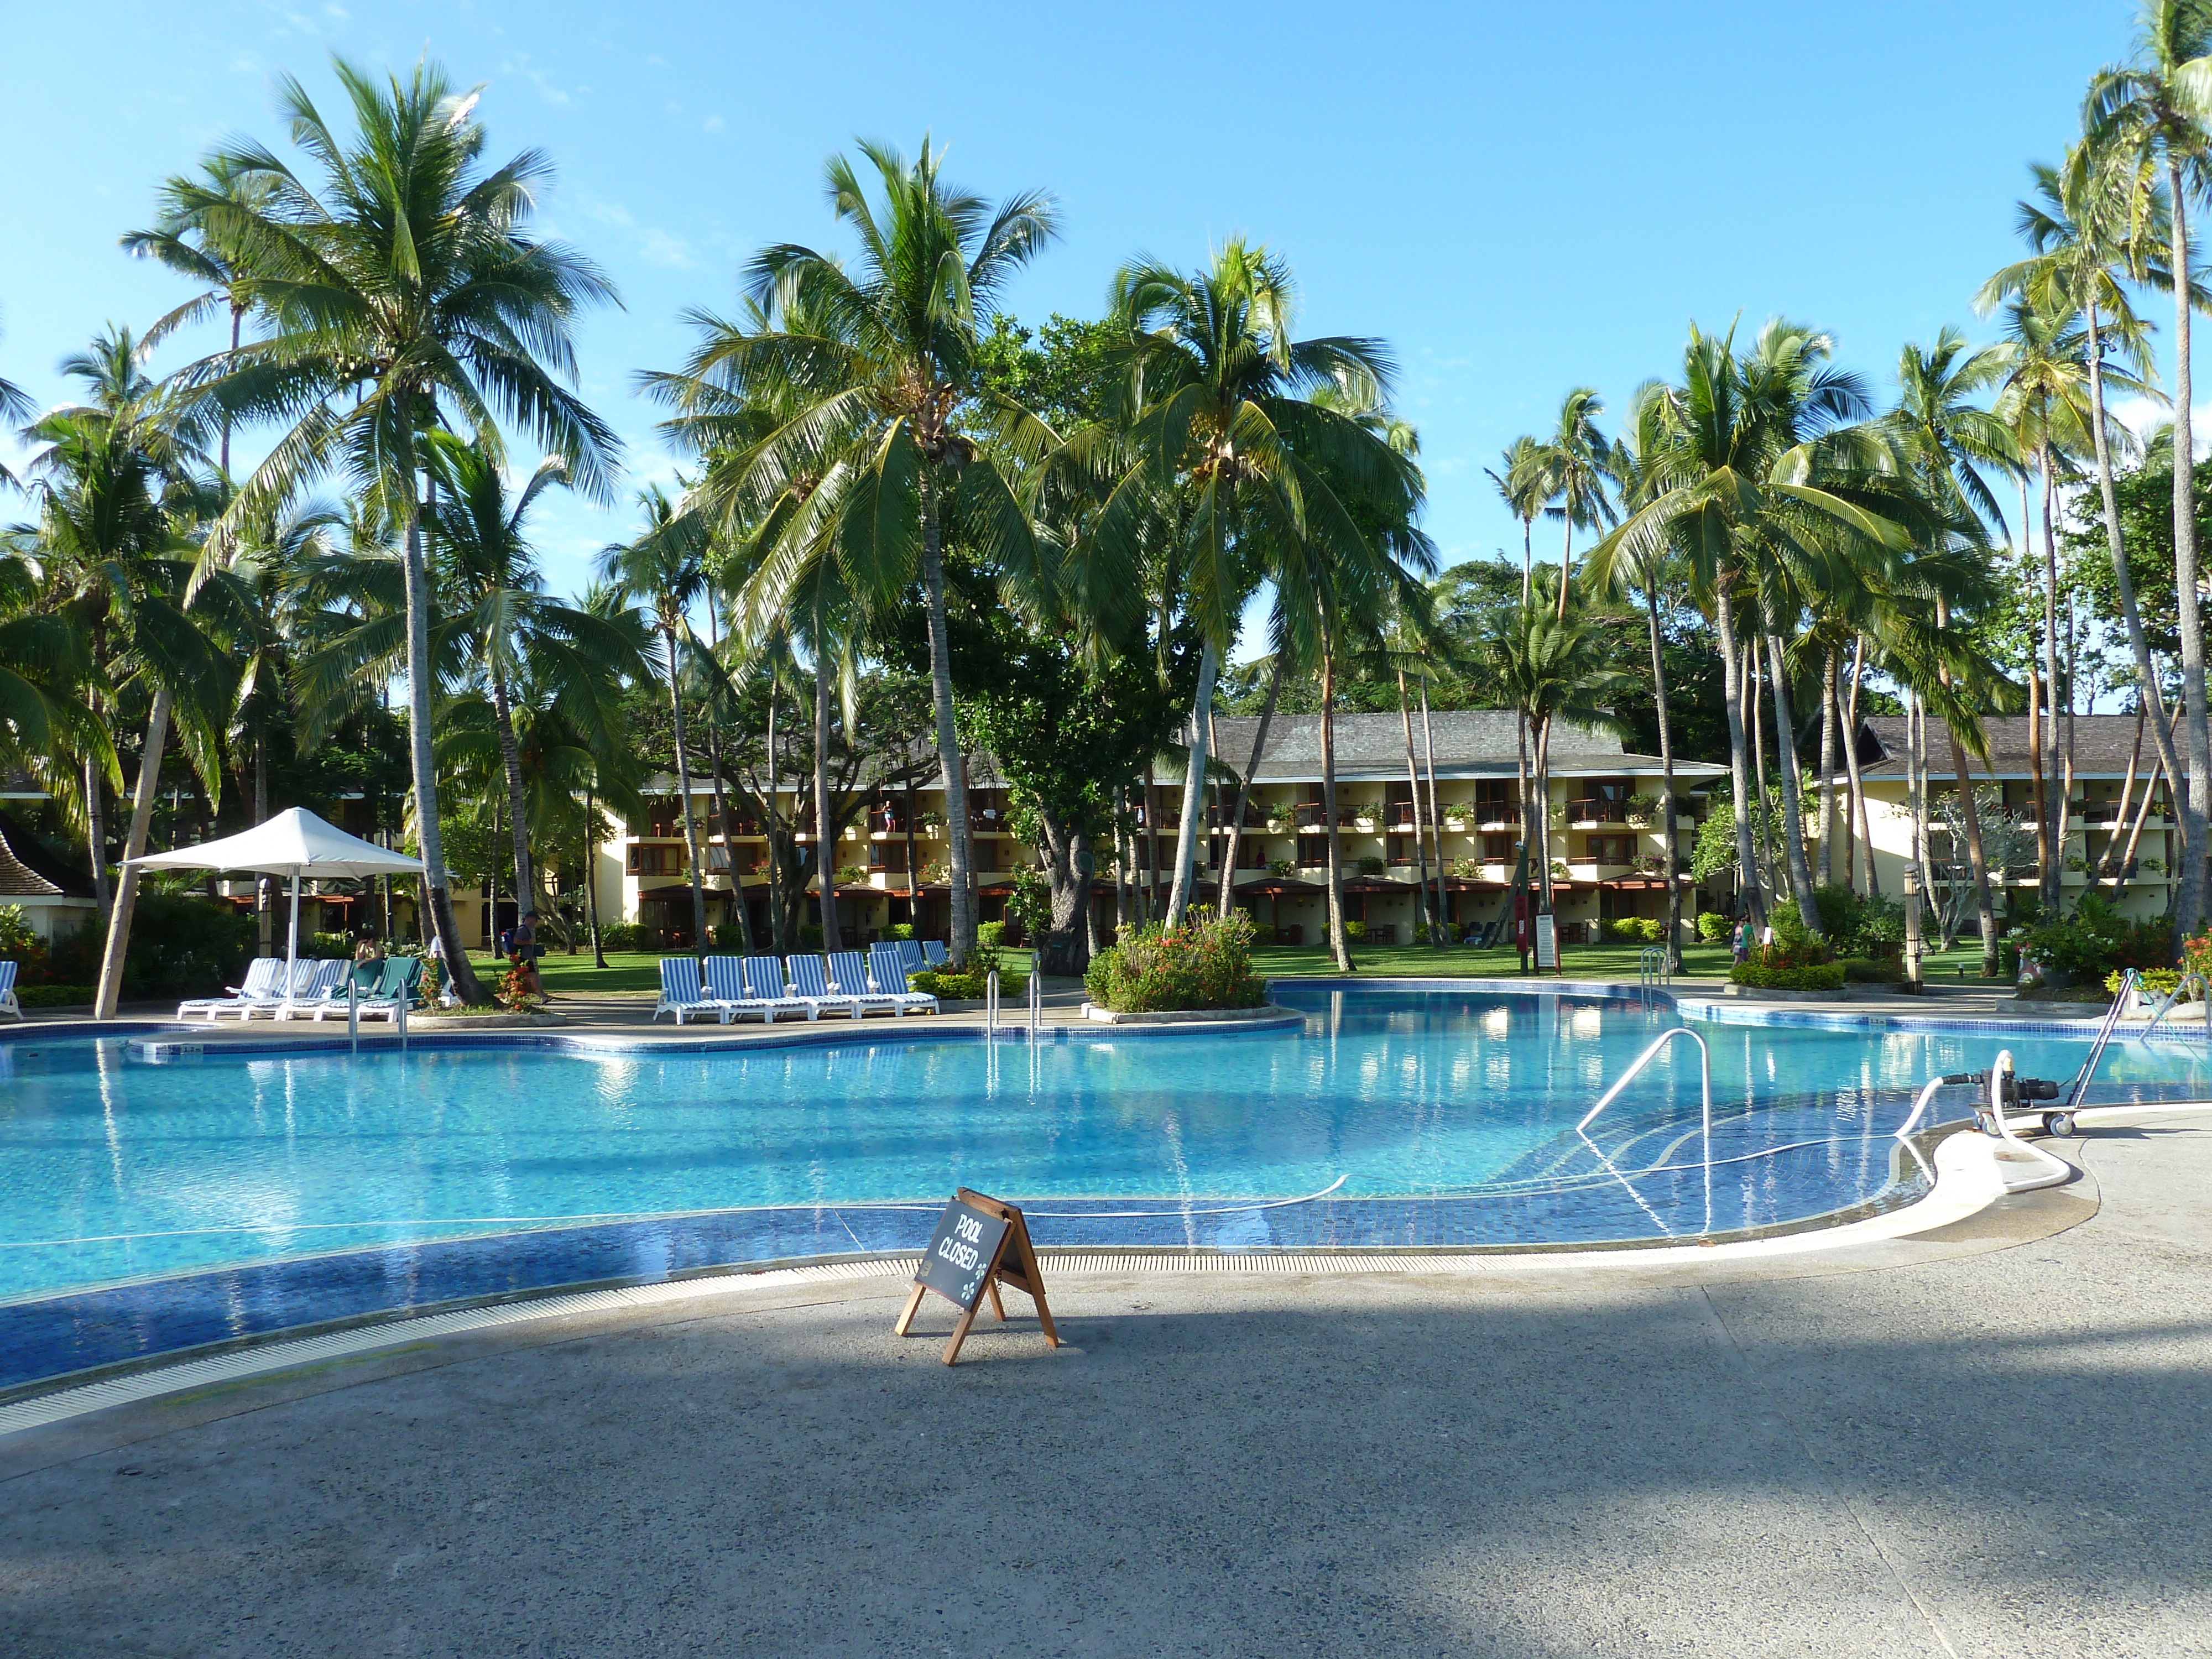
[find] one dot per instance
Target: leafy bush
(1811, 976)
(332, 947)
(1872, 971)
(55, 996)
(1282, 867)
(179, 947)
(1029, 905)
(900, 930)
(2096, 939)
(853, 875)
(622, 936)
(2155, 981)
(1713, 927)
(1355, 931)
(971, 979)
(1636, 930)
(993, 933)
(1206, 963)
(1372, 864)
(810, 935)
(1859, 924)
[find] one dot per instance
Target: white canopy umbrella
(294, 843)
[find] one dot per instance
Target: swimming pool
(306, 1185)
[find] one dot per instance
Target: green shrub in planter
(991, 934)
(1813, 976)
(2155, 981)
(622, 936)
(970, 979)
(1873, 970)
(1205, 965)
(1713, 927)
(810, 935)
(1373, 866)
(1355, 931)
(900, 930)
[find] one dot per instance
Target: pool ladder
(1652, 973)
(1033, 1017)
(1706, 1107)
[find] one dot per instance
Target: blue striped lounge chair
(764, 983)
(8, 1005)
(932, 952)
(682, 993)
(264, 985)
(726, 983)
(850, 976)
(808, 980)
(302, 981)
(887, 967)
(911, 959)
(326, 984)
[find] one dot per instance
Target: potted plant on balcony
(1641, 810)
(1371, 866)
(853, 875)
(1282, 867)
(1278, 824)
(930, 823)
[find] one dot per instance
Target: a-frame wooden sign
(979, 1244)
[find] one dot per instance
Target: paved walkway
(1991, 1442)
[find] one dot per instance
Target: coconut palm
(663, 569)
(1760, 470)
(1571, 465)
(402, 295)
(495, 598)
(1524, 488)
(887, 382)
(2159, 107)
(1236, 435)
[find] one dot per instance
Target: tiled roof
(19, 880)
(2102, 744)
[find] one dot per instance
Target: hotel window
(1613, 849)
(656, 860)
(1497, 848)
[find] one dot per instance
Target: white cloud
(547, 88)
(712, 124)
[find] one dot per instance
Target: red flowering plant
(1205, 963)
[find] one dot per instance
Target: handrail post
(991, 1007)
(1705, 1105)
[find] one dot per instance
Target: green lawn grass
(639, 971)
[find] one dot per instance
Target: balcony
(1597, 811)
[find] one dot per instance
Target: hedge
(1813, 976)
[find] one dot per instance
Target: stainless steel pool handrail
(2129, 982)
(1035, 1004)
(2203, 990)
(991, 1007)
(1705, 1103)
(1652, 967)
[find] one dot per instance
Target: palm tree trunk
(2134, 833)
(825, 846)
(95, 830)
(1420, 834)
(2103, 870)
(1193, 785)
(699, 941)
(1747, 860)
(1151, 891)
(1436, 822)
(1543, 785)
(1251, 769)
(510, 760)
(912, 868)
(713, 715)
(134, 844)
(1340, 942)
(2122, 577)
(1770, 865)
(2054, 801)
(963, 943)
(772, 825)
(1971, 813)
(440, 899)
(591, 879)
(264, 907)
(1851, 767)
(2189, 892)
(1567, 562)
(1666, 766)
(1827, 771)
(2045, 857)
(1527, 560)
(1793, 786)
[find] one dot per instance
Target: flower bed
(1206, 963)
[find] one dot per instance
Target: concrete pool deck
(1988, 1440)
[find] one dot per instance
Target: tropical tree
(1524, 488)
(2159, 107)
(496, 607)
(887, 381)
(402, 295)
(663, 569)
(1572, 464)
(1238, 437)
(1757, 479)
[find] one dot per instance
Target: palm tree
(1571, 465)
(402, 295)
(196, 237)
(1232, 441)
(2158, 106)
(490, 585)
(886, 382)
(664, 567)
(115, 498)
(2100, 219)
(1524, 488)
(1742, 484)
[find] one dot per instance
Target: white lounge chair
(328, 981)
(726, 984)
(848, 976)
(302, 980)
(8, 1002)
(887, 967)
(264, 986)
(811, 984)
(764, 983)
(682, 993)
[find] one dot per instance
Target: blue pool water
(1420, 1117)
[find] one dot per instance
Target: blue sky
(1517, 198)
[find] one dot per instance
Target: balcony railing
(1598, 810)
